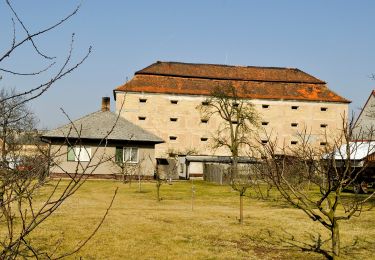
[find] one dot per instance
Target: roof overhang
(219, 159)
(51, 139)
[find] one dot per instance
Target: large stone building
(163, 99)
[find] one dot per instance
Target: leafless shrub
(21, 173)
(238, 122)
(313, 179)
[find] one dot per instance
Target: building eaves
(245, 89)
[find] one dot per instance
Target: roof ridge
(223, 65)
(235, 72)
(237, 79)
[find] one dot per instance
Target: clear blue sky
(332, 40)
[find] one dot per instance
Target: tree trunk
(241, 208)
(2, 191)
(123, 173)
(158, 190)
(335, 236)
(139, 184)
(192, 194)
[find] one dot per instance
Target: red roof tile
(251, 82)
(215, 71)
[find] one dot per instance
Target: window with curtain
(79, 153)
(126, 154)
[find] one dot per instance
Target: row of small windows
(264, 142)
(205, 121)
(175, 119)
(205, 103)
(296, 107)
(295, 124)
(174, 138)
(144, 100)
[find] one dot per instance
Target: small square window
(264, 141)
(142, 118)
(174, 101)
(323, 125)
(204, 121)
(235, 104)
(323, 108)
(205, 103)
(204, 139)
(142, 100)
(294, 124)
(323, 143)
(294, 142)
(235, 122)
(173, 119)
(294, 107)
(264, 123)
(265, 106)
(172, 138)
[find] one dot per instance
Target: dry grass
(139, 227)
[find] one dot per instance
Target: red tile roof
(251, 82)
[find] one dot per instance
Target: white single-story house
(101, 145)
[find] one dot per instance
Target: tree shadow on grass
(142, 191)
(314, 244)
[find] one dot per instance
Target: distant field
(139, 227)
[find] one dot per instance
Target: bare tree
(163, 169)
(238, 121)
(20, 174)
(128, 168)
(159, 181)
(330, 171)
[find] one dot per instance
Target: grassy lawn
(139, 227)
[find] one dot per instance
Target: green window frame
(78, 154)
(126, 154)
(71, 157)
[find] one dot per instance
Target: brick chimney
(106, 104)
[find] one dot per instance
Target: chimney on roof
(106, 104)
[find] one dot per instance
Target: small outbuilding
(101, 145)
(362, 157)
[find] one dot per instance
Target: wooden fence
(220, 173)
(217, 173)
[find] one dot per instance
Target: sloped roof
(363, 108)
(98, 124)
(216, 71)
(358, 150)
(251, 82)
